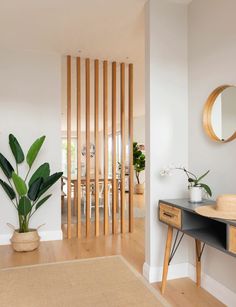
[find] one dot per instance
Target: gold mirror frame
(207, 124)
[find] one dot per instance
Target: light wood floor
(181, 292)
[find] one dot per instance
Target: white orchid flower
(165, 172)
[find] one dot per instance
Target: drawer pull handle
(168, 214)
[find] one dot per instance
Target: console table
(180, 214)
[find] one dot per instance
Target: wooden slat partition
(131, 168)
(114, 160)
(87, 94)
(96, 129)
(78, 188)
(110, 184)
(105, 137)
(68, 147)
(122, 120)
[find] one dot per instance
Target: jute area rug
(97, 282)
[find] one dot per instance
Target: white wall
(166, 124)
(212, 49)
(30, 107)
(139, 129)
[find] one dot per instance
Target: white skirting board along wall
(44, 235)
(154, 274)
(219, 291)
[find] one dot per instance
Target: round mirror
(219, 117)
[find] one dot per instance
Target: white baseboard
(44, 235)
(218, 290)
(5, 239)
(52, 235)
(154, 274)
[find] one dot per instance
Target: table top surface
(185, 204)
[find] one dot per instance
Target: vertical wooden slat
(96, 129)
(122, 120)
(131, 175)
(114, 182)
(105, 135)
(68, 147)
(87, 93)
(78, 70)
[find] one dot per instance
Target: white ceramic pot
(195, 194)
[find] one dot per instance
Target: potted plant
(139, 166)
(195, 184)
(27, 196)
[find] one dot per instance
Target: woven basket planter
(139, 188)
(25, 242)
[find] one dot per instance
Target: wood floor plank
(179, 293)
(184, 292)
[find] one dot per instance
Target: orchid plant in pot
(195, 184)
(27, 194)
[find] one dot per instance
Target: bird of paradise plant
(27, 196)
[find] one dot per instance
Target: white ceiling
(100, 28)
(104, 29)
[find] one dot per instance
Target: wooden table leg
(166, 259)
(198, 262)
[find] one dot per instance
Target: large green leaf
(206, 188)
(8, 189)
(204, 175)
(42, 201)
(6, 166)
(24, 207)
(48, 182)
(35, 188)
(16, 149)
(34, 150)
(43, 171)
(20, 185)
